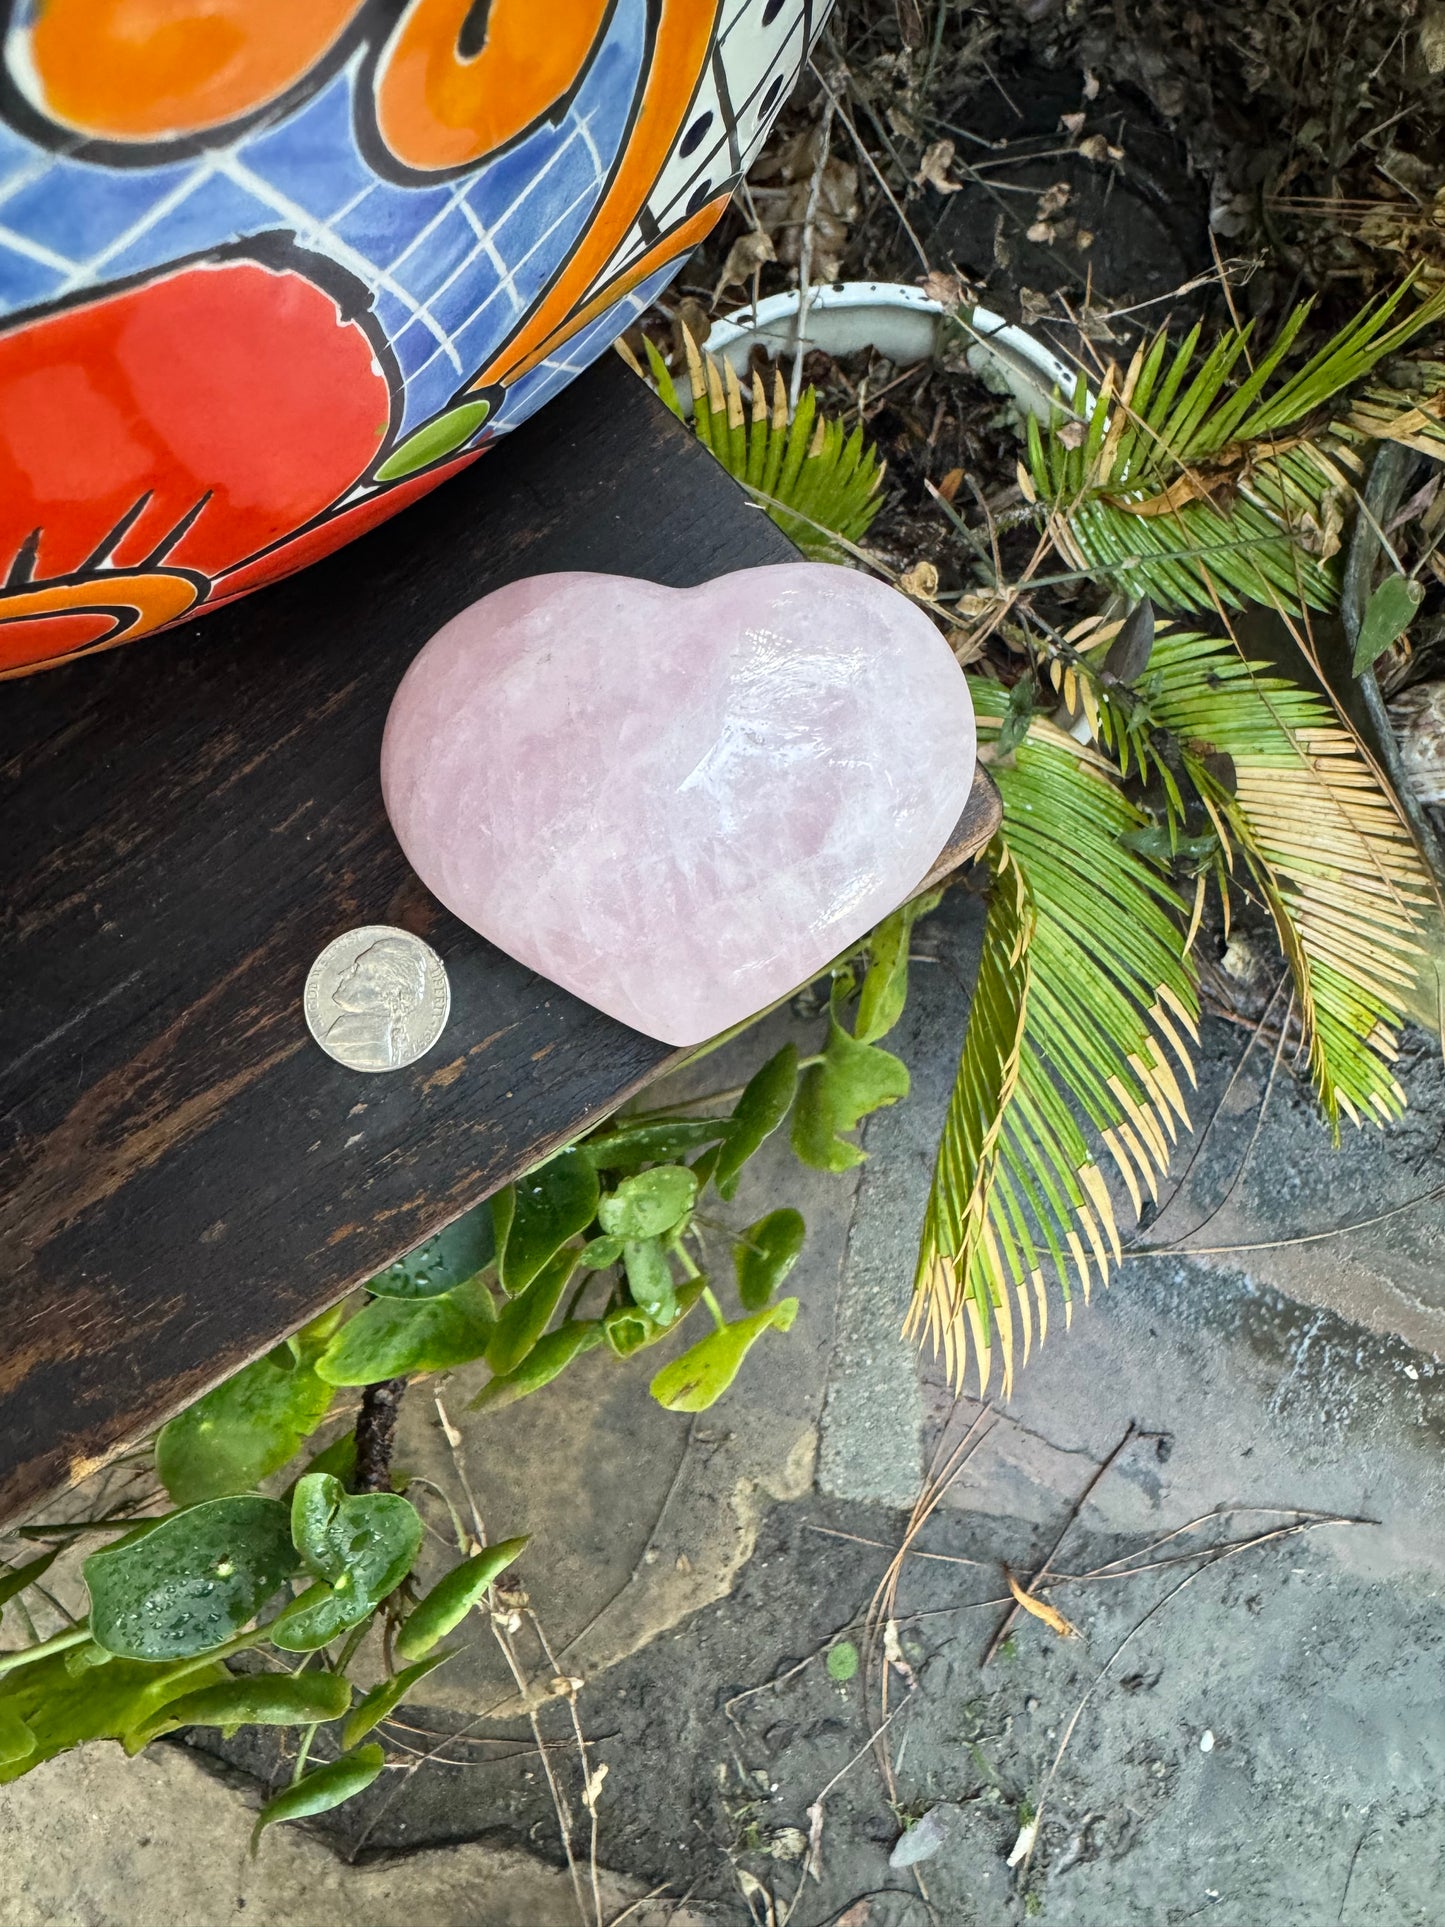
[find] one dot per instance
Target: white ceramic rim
(773, 323)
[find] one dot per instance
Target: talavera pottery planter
(271, 269)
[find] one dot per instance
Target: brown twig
(947, 1463)
(882, 1545)
(589, 1783)
(376, 1433)
(1243, 1165)
(459, 1465)
(1005, 1625)
(812, 1861)
(646, 1900)
(1281, 1244)
(559, 1804)
(1350, 1871)
(871, 164)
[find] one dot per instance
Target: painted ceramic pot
(271, 269)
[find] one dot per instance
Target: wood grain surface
(184, 1176)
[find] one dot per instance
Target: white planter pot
(902, 323)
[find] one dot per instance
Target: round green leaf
(443, 1262)
(525, 1319)
(322, 1790)
(548, 1357)
(363, 1542)
(765, 1254)
(242, 1431)
(549, 1206)
(1388, 614)
(650, 1204)
(628, 1330)
(442, 436)
(452, 1598)
(192, 1581)
(393, 1337)
(704, 1371)
(649, 1279)
(258, 1699)
(627, 1147)
(599, 1253)
(758, 1113)
(360, 1547)
(381, 1702)
(842, 1661)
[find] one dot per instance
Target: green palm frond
(1186, 483)
(814, 479)
(1323, 844)
(1087, 994)
(1412, 414)
(1084, 983)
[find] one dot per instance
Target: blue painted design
(67, 223)
(96, 207)
(25, 281)
(202, 206)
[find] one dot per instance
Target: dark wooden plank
(184, 1177)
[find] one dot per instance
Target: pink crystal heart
(679, 804)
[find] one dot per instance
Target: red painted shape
(313, 543)
(233, 385)
(39, 640)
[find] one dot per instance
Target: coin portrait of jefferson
(376, 995)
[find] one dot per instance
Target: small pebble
(1206, 1741)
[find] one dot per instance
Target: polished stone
(680, 804)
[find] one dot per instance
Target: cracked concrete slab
(96, 1840)
(1304, 1357)
(871, 1449)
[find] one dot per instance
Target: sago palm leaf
(1084, 983)
(1324, 845)
(814, 479)
(1186, 483)
(1412, 414)
(1086, 974)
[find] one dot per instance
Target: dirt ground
(1094, 169)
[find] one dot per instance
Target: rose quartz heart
(679, 804)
